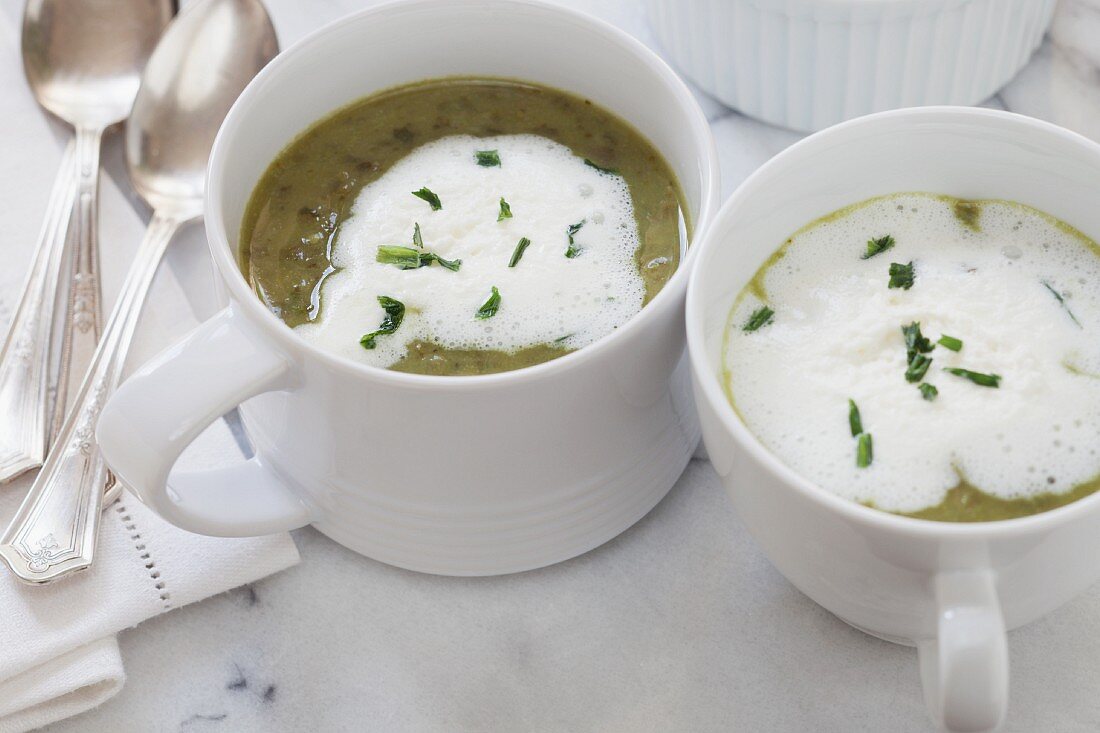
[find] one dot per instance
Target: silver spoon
(207, 56)
(83, 61)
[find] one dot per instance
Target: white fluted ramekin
(808, 64)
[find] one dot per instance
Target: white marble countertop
(678, 624)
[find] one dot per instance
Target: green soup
(296, 210)
(824, 347)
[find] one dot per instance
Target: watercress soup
(463, 226)
(927, 356)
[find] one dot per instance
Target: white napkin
(58, 654)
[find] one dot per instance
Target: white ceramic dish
(808, 64)
(950, 589)
(454, 475)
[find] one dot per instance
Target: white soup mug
(950, 589)
(454, 475)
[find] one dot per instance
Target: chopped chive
(759, 318)
(854, 421)
(901, 276)
(928, 391)
(985, 380)
(573, 250)
(1062, 302)
(560, 339)
(451, 265)
(505, 210)
(406, 258)
(918, 366)
(864, 451)
(489, 308)
(950, 342)
(915, 341)
(600, 168)
(877, 246)
(426, 194)
(488, 158)
(395, 313)
(517, 253)
(417, 239)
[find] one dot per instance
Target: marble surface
(678, 624)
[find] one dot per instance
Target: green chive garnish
(901, 276)
(573, 250)
(916, 346)
(928, 391)
(864, 451)
(451, 265)
(417, 239)
(517, 253)
(854, 421)
(950, 342)
(426, 194)
(600, 168)
(985, 380)
(395, 313)
(863, 440)
(918, 366)
(915, 342)
(1062, 302)
(406, 258)
(489, 308)
(487, 158)
(505, 210)
(877, 246)
(759, 318)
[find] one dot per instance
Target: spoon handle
(25, 356)
(54, 532)
(84, 310)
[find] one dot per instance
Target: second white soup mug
(455, 475)
(950, 589)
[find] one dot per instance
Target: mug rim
(711, 390)
(240, 295)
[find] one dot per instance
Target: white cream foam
(544, 298)
(836, 334)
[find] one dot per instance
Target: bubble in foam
(545, 296)
(837, 336)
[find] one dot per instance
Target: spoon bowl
(64, 58)
(192, 79)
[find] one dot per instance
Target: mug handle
(165, 405)
(964, 670)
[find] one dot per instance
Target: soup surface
(927, 356)
(463, 226)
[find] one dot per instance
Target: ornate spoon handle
(84, 312)
(25, 357)
(54, 531)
